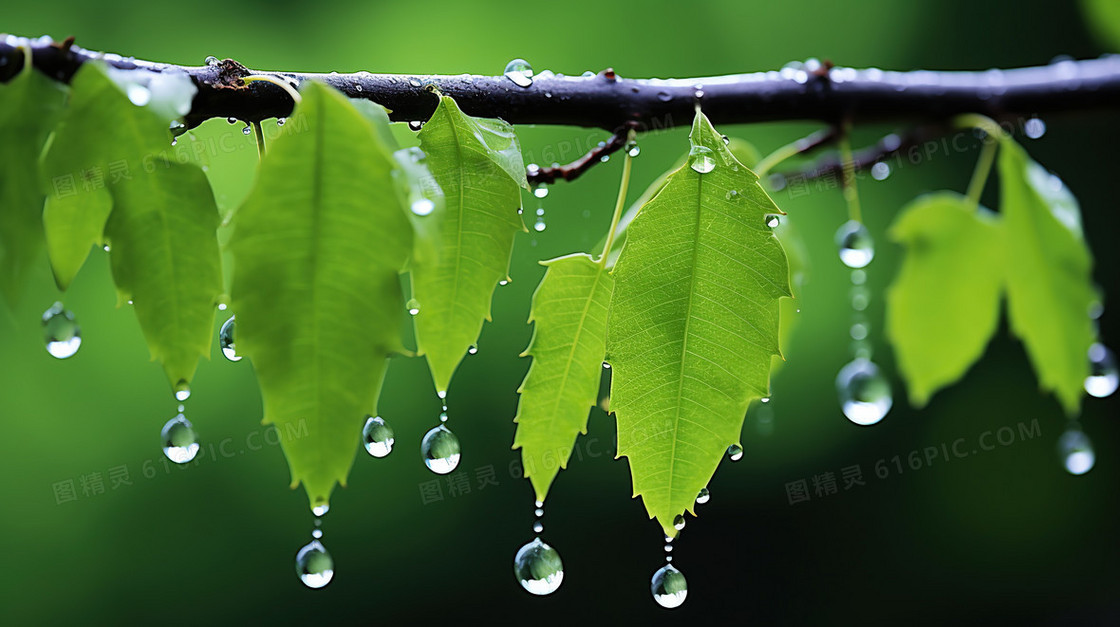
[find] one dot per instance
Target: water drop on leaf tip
(314, 565)
(377, 436)
(538, 568)
(180, 443)
(440, 450)
(669, 587)
(61, 334)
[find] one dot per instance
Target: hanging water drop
(540, 225)
(1103, 377)
(413, 306)
(735, 452)
(180, 444)
(247, 130)
(860, 297)
(538, 527)
(314, 565)
(865, 394)
(678, 522)
(281, 121)
(668, 587)
(473, 350)
(703, 497)
(1034, 128)
(701, 159)
(317, 533)
(138, 94)
(633, 149)
(520, 72)
(377, 436)
(225, 340)
(440, 450)
(858, 331)
(231, 120)
(856, 246)
(182, 391)
(538, 568)
(540, 191)
(61, 332)
(880, 171)
(415, 125)
(772, 221)
(423, 206)
(1076, 451)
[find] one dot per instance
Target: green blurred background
(1000, 535)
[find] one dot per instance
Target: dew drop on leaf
(1076, 451)
(703, 497)
(520, 72)
(735, 452)
(314, 565)
(1103, 377)
(61, 333)
(180, 443)
(415, 125)
(772, 221)
(440, 450)
(865, 394)
(855, 245)
(701, 159)
(182, 391)
(633, 149)
(413, 306)
(320, 509)
(538, 568)
(377, 436)
(678, 522)
(668, 587)
(225, 340)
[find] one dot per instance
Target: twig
(544, 176)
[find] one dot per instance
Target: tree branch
(608, 101)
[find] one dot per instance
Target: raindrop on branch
(520, 72)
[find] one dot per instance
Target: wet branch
(925, 99)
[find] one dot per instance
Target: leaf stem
(851, 194)
(285, 85)
(995, 135)
(623, 187)
(259, 133)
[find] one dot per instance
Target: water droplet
(443, 415)
(855, 244)
(61, 332)
(858, 331)
(1076, 451)
(222, 306)
(664, 96)
(701, 159)
(182, 391)
(540, 211)
(703, 497)
(247, 130)
(860, 297)
(678, 522)
(413, 306)
(880, 171)
(1034, 128)
(668, 587)
(357, 87)
(859, 277)
(1103, 377)
(606, 366)
(320, 509)
(538, 527)
(377, 436)
(540, 191)
(520, 72)
(503, 282)
(211, 60)
(225, 339)
(731, 194)
(604, 158)
(442, 394)
(423, 206)
(473, 350)
(538, 568)
(317, 533)
(415, 82)
(106, 248)
(865, 394)
(633, 149)
(440, 450)
(698, 94)
(180, 444)
(314, 565)
(539, 225)
(231, 120)
(538, 512)
(281, 121)
(415, 125)
(772, 221)
(174, 141)
(735, 452)
(139, 95)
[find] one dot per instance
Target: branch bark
(608, 101)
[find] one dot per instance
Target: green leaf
(30, 104)
(569, 313)
(943, 306)
(319, 245)
(477, 163)
(693, 325)
(1103, 19)
(110, 167)
(1049, 282)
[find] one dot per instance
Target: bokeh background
(1000, 535)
